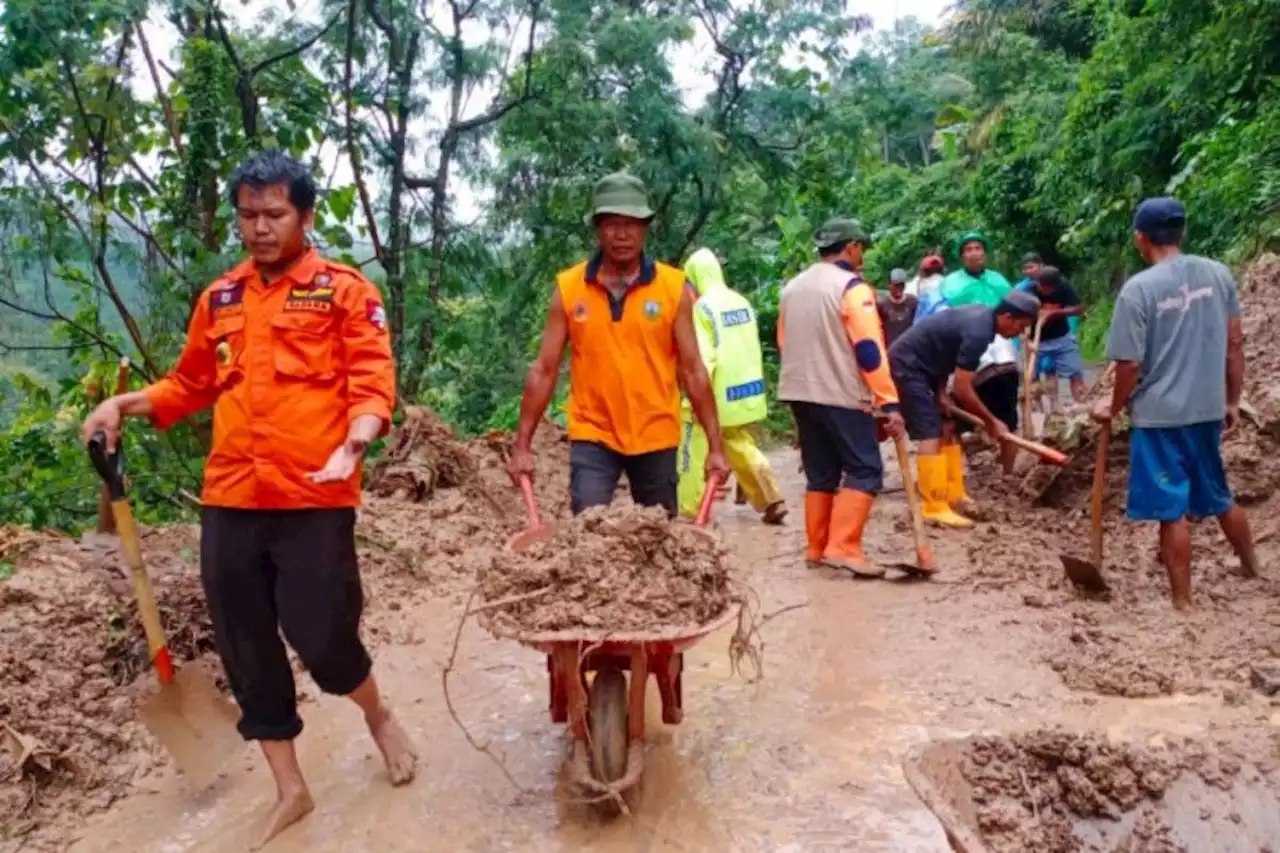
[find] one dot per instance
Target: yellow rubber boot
(848, 520)
(957, 497)
(817, 525)
(931, 471)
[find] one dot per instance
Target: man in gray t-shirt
(1178, 348)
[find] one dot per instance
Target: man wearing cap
(627, 322)
(921, 362)
(926, 283)
(972, 284)
(835, 376)
(729, 342)
(1178, 347)
(898, 309)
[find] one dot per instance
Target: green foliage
(1040, 122)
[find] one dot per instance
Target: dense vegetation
(1040, 121)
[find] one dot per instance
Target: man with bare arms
(292, 352)
(1178, 347)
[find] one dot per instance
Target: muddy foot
(1182, 605)
(288, 810)
(396, 748)
(775, 513)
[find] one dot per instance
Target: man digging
(627, 322)
(729, 341)
(291, 351)
(834, 375)
(921, 361)
(1178, 346)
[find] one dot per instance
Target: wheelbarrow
(597, 679)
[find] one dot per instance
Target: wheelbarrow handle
(530, 502)
(110, 466)
(714, 482)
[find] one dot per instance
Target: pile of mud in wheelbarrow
(611, 597)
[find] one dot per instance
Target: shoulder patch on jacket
(226, 296)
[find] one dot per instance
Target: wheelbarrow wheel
(608, 725)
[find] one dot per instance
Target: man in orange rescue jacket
(627, 321)
(292, 352)
(835, 376)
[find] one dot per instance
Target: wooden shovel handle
(924, 557)
(1048, 454)
(1099, 485)
(530, 502)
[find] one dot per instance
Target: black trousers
(594, 472)
(839, 448)
(292, 571)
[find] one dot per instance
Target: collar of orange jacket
(308, 265)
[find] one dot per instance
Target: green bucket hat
(971, 237)
(839, 230)
(621, 194)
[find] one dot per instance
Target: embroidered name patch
(317, 299)
(227, 299)
(736, 317)
(375, 313)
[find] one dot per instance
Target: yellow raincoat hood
(703, 271)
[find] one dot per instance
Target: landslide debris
(1030, 789)
(613, 569)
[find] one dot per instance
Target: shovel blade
(1084, 574)
(195, 724)
(532, 536)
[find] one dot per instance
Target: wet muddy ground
(810, 758)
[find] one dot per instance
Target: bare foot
(289, 809)
(396, 747)
(1182, 605)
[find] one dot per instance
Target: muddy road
(808, 759)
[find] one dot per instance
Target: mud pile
(618, 569)
(1030, 789)
(72, 663)
(436, 507)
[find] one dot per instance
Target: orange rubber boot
(848, 520)
(817, 524)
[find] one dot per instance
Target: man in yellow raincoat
(729, 343)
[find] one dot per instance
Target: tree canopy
(456, 144)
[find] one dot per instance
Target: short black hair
(1167, 233)
(1032, 258)
(834, 248)
(1049, 277)
(270, 168)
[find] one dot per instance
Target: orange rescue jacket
(287, 367)
(623, 387)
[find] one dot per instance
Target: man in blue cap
(1178, 347)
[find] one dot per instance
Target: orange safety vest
(287, 367)
(623, 388)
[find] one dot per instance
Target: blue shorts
(1060, 357)
(1177, 471)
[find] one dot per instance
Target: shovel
(924, 565)
(188, 716)
(537, 531)
(1088, 574)
(1048, 454)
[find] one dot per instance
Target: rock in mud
(611, 569)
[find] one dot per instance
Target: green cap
(971, 237)
(620, 194)
(836, 231)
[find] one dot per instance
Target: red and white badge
(375, 314)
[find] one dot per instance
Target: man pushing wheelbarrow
(627, 322)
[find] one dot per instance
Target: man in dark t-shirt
(898, 309)
(1059, 351)
(922, 360)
